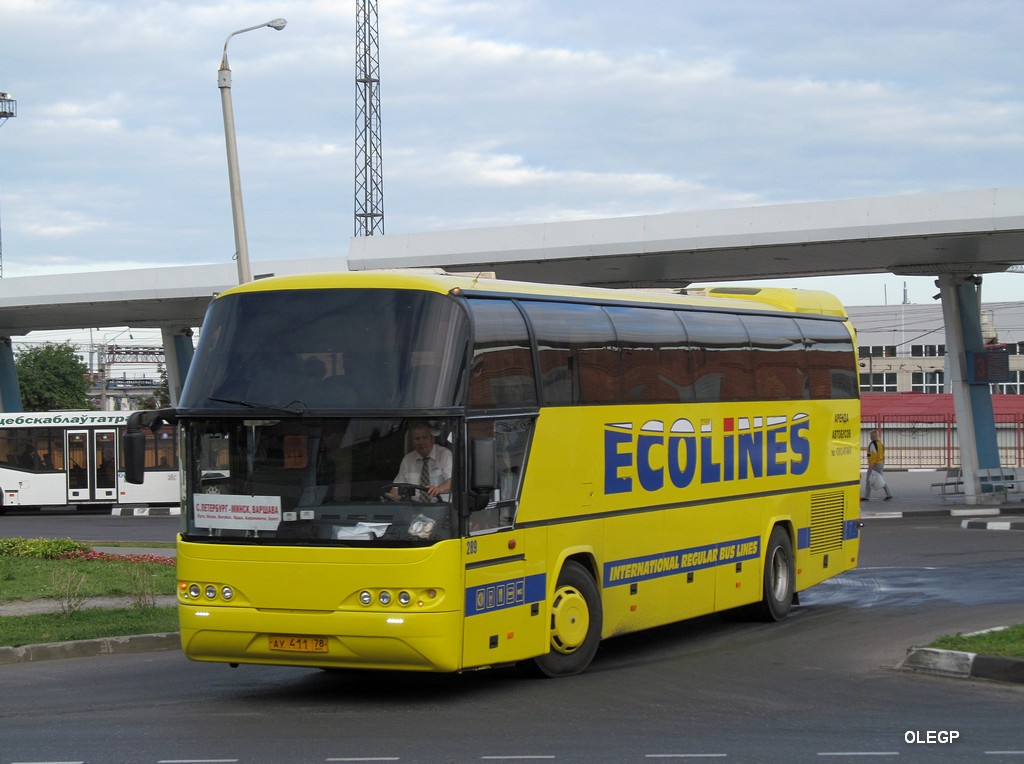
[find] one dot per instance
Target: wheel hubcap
(780, 575)
(570, 620)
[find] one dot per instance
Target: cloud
(493, 113)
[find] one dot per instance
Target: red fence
(920, 432)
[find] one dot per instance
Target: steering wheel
(406, 491)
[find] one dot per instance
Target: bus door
(505, 589)
(91, 465)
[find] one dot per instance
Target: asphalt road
(88, 525)
(819, 686)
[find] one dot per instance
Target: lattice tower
(369, 180)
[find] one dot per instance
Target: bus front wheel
(779, 576)
(575, 623)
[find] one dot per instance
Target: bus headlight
(404, 598)
(365, 597)
(227, 592)
(385, 598)
(211, 591)
(193, 591)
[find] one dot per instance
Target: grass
(68, 573)
(1008, 642)
(23, 578)
(85, 624)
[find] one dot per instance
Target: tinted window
(721, 360)
(329, 349)
(655, 356)
(579, 359)
(778, 357)
(501, 373)
(830, 359)
(36, 449)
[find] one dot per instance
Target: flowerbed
(68, 549)
(92, 554)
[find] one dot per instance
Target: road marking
(858, 753)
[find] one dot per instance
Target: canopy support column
(975, 421)
(178, 352)
(10, 391)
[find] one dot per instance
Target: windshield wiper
(295, 407)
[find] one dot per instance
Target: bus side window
(655, 357)
(779, 361)
(30, 449)
(720, 357)
(579, 356)
(501, 373)
(829, 359)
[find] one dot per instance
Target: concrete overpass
(956, 236)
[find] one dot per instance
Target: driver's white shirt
(440, 468)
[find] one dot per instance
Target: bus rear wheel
(575, 629)
(779, 577)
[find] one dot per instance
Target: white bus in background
(73, 458)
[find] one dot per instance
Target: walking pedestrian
(874, 478)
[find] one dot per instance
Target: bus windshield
(312, 480)
(329, 349)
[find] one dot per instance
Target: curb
(145, 511)
(963, 665)
(1015, 511)
(994, 525)
(90, 648)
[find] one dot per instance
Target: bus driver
(428, 465)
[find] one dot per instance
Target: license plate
(295, 644)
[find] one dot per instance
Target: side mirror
(134, 444)
(483, 471)
(134, 441)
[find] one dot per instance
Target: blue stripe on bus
(803, 538)
(501, 595)
(660, 564)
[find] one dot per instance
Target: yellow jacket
(876, 453)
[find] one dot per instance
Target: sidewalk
(35, 607)
(912, 494)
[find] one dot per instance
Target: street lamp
(235, 183)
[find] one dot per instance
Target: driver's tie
(425, 472)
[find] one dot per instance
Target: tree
(52, 377)
(158, 400)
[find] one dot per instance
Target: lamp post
(235, 183)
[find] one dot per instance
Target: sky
(493, 113)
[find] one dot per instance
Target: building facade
(902, 348)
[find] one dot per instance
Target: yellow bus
(604, 461)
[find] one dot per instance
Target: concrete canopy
(957, 232)
(922, 234)
(172, 297)
(951, 235)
